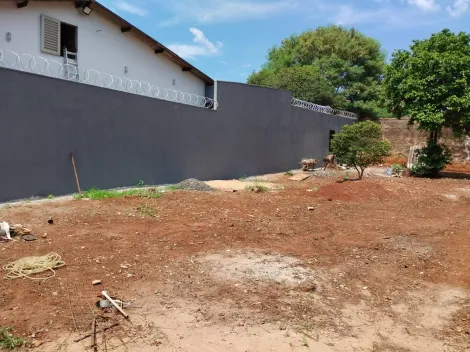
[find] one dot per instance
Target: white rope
(27, 266)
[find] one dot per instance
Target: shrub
(360, 145)
(431, 159)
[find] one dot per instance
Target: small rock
(50, 221)
(311, 208)
(282, 327)
(96, 282)
(330, 199)
(365, 288)
(421, 273)
(36, 343)
(44, 236)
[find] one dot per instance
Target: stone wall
(402, 136)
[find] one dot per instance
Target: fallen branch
(78, 339)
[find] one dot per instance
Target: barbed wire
(52, 68)
(320, 108)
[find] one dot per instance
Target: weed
(243, 178)
(8, 340)
(397, 169)
(289, 173)
(50, 196)
(147, 210)
(172, 188)
(304, 341)
(141, 183)
(257, 188)
(96, 194)
(308, 326)
(27, 201)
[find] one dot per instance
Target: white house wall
(101, 45)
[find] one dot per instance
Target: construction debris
(308, 164)
(299, 177)
(115, 304)
(29, 238)
(330, 160)
(5, 227)
(20, 230)
(193, 184)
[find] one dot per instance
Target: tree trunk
(434, 136)
(359, 174)
(362, 173)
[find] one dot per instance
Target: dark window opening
(68, 38)
(332, 133)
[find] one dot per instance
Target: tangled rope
(27, 266)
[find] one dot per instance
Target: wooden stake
(93, 336)
(75, 171)
(105, 294)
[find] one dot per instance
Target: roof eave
(158, 47)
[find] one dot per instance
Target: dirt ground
(377, 265)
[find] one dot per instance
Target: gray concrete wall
(119, 138)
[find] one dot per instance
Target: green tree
(360, 145)
(430, 83)
(329, 66)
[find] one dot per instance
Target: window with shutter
(50, 35)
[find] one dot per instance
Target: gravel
(193, 184)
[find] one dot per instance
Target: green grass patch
(8, 340)
(96, 194)
(172, 188)
(289, 173)
(50, 196)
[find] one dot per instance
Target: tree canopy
(430, 83)
(360, 145)
(328, 66)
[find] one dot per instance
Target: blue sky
(228, 39)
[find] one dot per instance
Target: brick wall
(402, 136)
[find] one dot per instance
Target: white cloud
(425, 5)
(127, 7)
(202, 46)
(458, 8)
(247, 65)
(218, 11)
(347, 15)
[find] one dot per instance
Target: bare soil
(378, 265)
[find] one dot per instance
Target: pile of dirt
(353, 191)
(192, 184)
